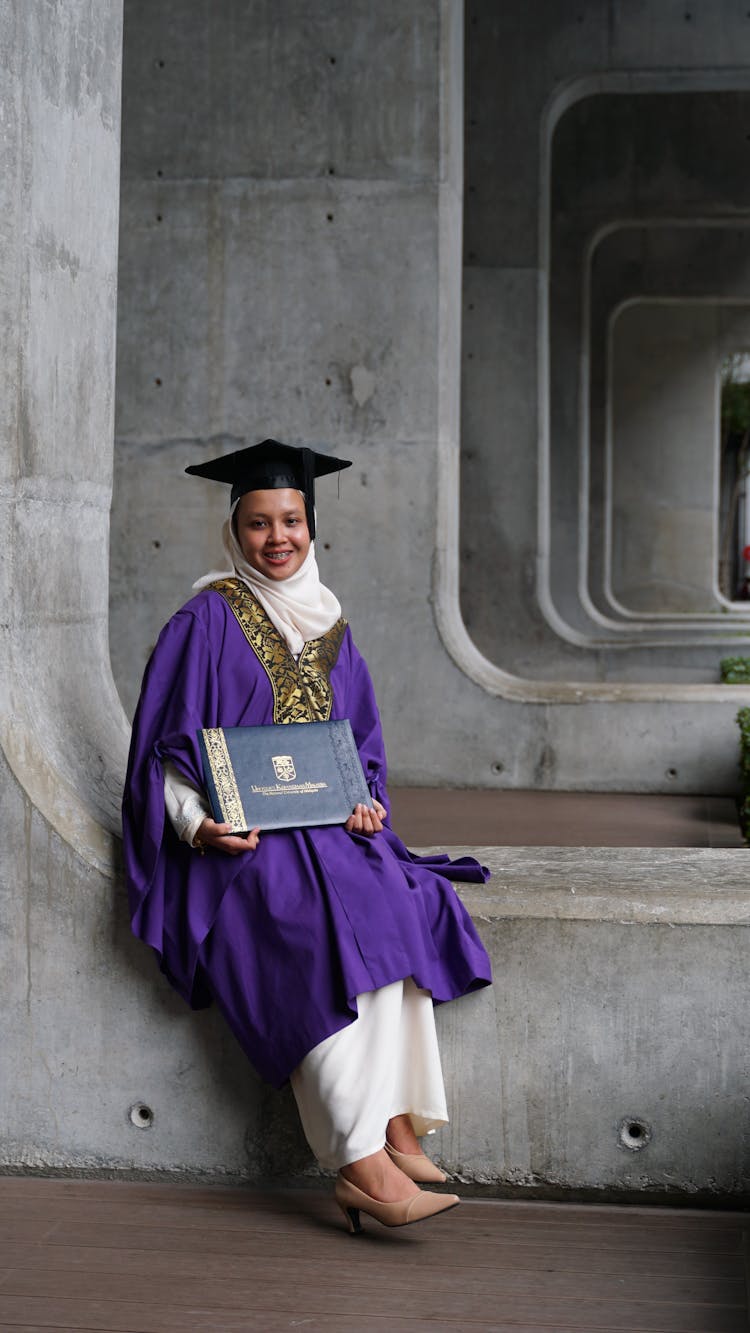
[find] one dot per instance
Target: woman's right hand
(211, 834)
(367, 819)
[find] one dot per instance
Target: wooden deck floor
(152, 1258)
(434, 816)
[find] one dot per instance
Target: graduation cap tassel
(308, 466)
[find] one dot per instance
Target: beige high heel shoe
(353, 1201)
(417, 1166)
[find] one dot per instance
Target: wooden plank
(44, 1328)
(124, 1264)
(541, 1315)
(45, 1317)
(174, 1245)
(95, 1317)
(464, 1221)
(117, 1193)
(19, 1228)
(282, 1199)
(205, 1322)
(319, 1294)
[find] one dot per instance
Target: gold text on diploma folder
(295, 788)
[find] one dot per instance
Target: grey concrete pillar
(62, 729)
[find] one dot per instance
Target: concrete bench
(610, 1058)
(613, 1053)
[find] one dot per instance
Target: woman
(324, 947)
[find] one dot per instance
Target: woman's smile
(272, 531)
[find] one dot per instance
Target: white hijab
(301, 607)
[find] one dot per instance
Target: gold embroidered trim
(301, 690)
(225, 782)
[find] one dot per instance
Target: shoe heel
(352, 1217)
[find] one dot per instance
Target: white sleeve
(187, 806)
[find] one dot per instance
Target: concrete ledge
(669, 886)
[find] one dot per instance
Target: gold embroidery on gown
(302, 689)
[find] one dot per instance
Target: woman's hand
(367, 821)
(211, 834)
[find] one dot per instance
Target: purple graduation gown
(326, 914)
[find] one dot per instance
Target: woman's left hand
(211, 834)
(366, 820)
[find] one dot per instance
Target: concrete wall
(103, 1068)
(278, 276)
(291, 264)
(634, 208)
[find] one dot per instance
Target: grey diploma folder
(281, 776)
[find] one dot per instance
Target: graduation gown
(328, 914)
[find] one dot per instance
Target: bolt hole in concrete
(329, 217)
(157, 382)
(498, 767)
(633, 1133)
(331, 60)
(670, 773)
(141, 1115)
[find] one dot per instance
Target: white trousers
(383, 1064)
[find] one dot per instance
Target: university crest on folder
(283, 767)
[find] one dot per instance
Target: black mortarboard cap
(271, 465)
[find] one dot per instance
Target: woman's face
(272, 531)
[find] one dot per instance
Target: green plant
(735, 670)
(743, 722)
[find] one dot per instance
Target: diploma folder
(289, 775)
